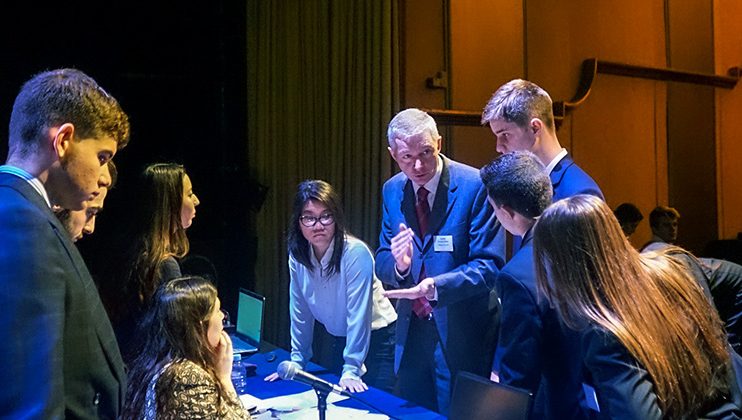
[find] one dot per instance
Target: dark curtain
(322, 85)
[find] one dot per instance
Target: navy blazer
(463, 277)
(535, 350)
(624, 389)
(59, 354)
(569, 180)
(725, 284)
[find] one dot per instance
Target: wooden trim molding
(590, 69)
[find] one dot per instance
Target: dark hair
(518, 101)
(158, 232)
(65, 216)
(628, 213)
(662, 212)
(174, 328)
(321, 192)
(517, 180)
(62, 96)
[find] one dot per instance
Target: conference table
(269, 357)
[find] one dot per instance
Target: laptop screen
(250, 315)
(476, 398)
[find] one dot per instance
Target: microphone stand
(321, 402)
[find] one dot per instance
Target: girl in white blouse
(339, 317)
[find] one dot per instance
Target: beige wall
(619, 135)
(479, 28)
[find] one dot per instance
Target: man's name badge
(443, 243)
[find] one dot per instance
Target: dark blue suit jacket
(725, 285)
(624, 389)
(535, 351)
(569, 180)
(59, 354)
(463, 277)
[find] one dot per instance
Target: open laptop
(477, 398)
(249, 325)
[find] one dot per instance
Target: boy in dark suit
(60, 358)
(521, 117)
(534, 351)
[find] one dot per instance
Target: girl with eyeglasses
(339, 317)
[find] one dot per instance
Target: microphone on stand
(288, 370)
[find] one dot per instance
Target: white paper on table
(333, 413)
(250, 402)
(296, 402)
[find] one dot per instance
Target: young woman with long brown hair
(653, 345)
(183, 369)
(157, 235)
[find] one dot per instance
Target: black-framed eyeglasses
(325, 220)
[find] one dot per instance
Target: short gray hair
(409, 122)
(518, 101)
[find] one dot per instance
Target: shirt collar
(550, 167)
(325, 262)
(33, 181)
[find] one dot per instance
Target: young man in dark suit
(534, 350)
(60, 357)
(437, 241)
(521, 117)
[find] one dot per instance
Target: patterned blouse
(193, 395)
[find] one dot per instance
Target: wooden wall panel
(728, 53)
(486, 51)
(623, 147)
(423, 52)
(618, 135)
(690, 124)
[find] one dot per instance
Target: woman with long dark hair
(158, 238)
(184, 367)
(169, 206)
(653, 345)
(338, 312)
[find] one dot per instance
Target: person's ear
(438, 144)
(391, 153)
(536, 125)
(509, 210)
(63, 138)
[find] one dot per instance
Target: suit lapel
(445, 196)
(559, 170)
(528, 237)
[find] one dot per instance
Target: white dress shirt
(349, 304)
(550, 167)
